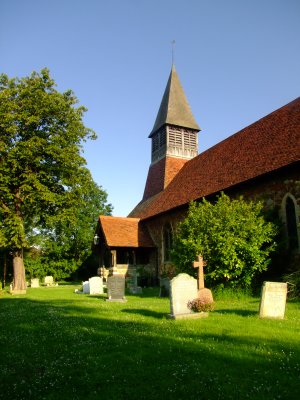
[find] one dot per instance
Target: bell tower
(174, 137)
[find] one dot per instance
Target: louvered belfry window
(182, 142)
(174, 141)
(190, 140)
(159, 141)
(175, 137)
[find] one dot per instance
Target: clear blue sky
(238, 60)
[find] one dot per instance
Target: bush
(200, 305)
(41, 267)
(293, 281)
(232, 236)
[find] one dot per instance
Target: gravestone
(49, 281)
(35, 283)
(132, 281)
(96, 285)
(183, 288)
(86, 287)
(203, 293)
(164, 287)
(116, 288)
(273, 300)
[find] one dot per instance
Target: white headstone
(35, 283)
(96, 285)
(273, 300)
(86, 287)
(48, 280)
(183, 288)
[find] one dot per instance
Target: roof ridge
(241, 131)
(124, 218)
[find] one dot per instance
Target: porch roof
(124, 232)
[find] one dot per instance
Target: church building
(260, 162)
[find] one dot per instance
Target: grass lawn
(56, 344)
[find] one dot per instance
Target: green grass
(56, 344)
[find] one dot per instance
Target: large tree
(65, 245)
(232, 235)
(42, 171)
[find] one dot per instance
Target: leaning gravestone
(96, 285)
(116, 288)
(183, 288)
(273, 300)
(86, 287)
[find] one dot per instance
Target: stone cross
(200, 264)
(113, 268)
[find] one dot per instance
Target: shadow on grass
(241, 313)
(145, 312)
(88, 349)
(146, 292)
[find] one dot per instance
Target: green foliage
(41, 267)
(65, 245)
(46, 191)
(231, 293)
(231, 235)
(293, 280)
(41, 168)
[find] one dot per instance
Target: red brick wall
(270, 189)
(173, 166)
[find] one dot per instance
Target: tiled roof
(142, 206)
(124, 232)
(265, 146)
(174, 108)
(161, 174)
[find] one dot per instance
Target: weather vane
(173, 46)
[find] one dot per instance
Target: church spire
(174, 137)
(174, 108)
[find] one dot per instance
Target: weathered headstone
(116, 288)
(164, 287)
(132, 281)
(49, 281)
(96, 285)
(183, 288)
(35, 283)
(273, 300)
(86, 287)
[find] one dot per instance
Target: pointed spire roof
(174, 108)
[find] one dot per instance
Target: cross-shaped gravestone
(200, 264)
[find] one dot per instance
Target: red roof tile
(124, 232)
(267, 145)
(161, 174)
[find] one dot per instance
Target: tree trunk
(19, 284)
(4, 269)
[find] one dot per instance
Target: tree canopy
(65, 248)
(233, 237)
(43, 174)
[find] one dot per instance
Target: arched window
(291, 220)
(167, 242)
